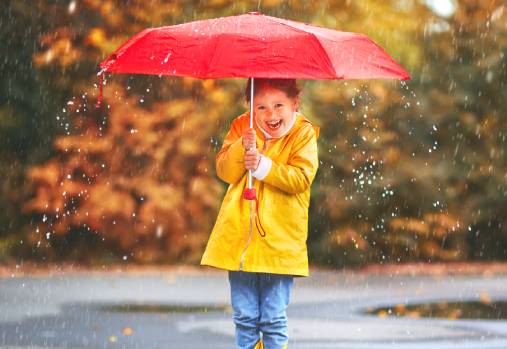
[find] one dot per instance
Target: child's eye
(261, 107)
(278, 105)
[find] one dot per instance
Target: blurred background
(410, 171)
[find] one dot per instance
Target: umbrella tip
(101, 84)
(254, 13)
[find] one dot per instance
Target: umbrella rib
(121, 50)
(208, 63)
(323, 51)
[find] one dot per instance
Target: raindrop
(166, 59)
(489, 76)
(72, 7)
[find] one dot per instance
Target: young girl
(262, 258)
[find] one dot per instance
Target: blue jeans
(259, 301)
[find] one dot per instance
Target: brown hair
(289, 86)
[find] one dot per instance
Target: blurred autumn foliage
(139, 177)
(412, 171)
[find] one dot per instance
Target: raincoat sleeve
(298, 173)
(230, 166)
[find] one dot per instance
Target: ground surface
(57, 307)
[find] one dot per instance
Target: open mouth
(273, 125)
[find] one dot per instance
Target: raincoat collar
(267, 136)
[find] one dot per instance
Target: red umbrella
(251, 45)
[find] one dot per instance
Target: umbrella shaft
(251, 123)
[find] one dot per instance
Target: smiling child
(262, 259)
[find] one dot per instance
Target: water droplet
(167, 58)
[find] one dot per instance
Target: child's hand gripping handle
(250, 143)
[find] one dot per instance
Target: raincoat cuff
(263, 169)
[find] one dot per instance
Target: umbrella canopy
(253, 45)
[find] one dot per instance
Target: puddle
(485, 310)
(161, 308)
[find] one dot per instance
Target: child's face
(273, 110)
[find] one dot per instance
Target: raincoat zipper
(252, 212)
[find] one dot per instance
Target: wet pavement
(326, 311)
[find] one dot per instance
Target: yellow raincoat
(284, 197)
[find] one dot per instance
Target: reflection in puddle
(484, 309)
(162, 308)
